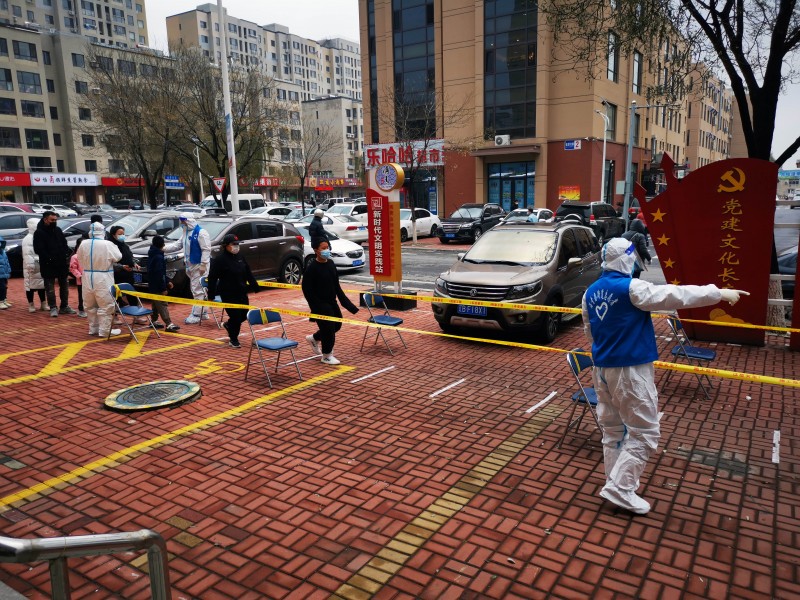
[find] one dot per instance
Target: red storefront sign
(421, 153)
(334, 182)
(15, 180)
(384, 237)
(122, 182)
(260, 182)
(716, 226)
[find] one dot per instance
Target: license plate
(362, 228)
(137, 277)
(474, 311)
(449, 235)
(358, 263)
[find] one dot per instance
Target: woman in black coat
(123, 270)
(229, 278)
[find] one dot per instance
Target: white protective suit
(195, 271)
(627, 406)
(32, 275)
(97, 257)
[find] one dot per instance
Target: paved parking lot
(430, 474)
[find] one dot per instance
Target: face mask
(121, 238)
(326, 254)
(234, 249)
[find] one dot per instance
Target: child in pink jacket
(76, 271)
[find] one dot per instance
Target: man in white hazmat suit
(616, 319)
(97, 257)
(197, 254)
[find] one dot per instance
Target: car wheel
(476, 234)
(443, 241)
(446, 327)
(433, 230)
(550, 323)
(291, 271)
(403, 235)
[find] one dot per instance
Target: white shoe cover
(625, 499)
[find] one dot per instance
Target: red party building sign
(716, 226)
(384, 237)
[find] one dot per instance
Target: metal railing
(57, 550)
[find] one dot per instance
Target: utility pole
(629, 165)
(607, 122)
(233, 182)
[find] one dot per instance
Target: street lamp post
(199, 170)
(607, 122)
(226, 100)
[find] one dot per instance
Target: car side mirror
(150, 233)
(460, 256)
(573, 262)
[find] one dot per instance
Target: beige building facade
(536, 127)
(345, 118)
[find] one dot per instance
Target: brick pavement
(382, 487)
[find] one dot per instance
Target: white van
(246, 202)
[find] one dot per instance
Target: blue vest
(194, 253)
(623, 334)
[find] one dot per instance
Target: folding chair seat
(685, 349)
(384, 319)
(217, 320)
(275, 344)
(586, 396)
(129, 313)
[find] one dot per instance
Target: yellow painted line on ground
(59, 365)
(373, 576)
(130, 452)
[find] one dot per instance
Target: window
(613, 56)
(115, 165)
(81, 87)
(106, 63)
(90, 166)
(54, 113)
(29, 83)
(85, 114)
(611, 113)
(3, 47)
(25, 51)
(30, 108)
(40, 163)
(60, 166)
(8, 106)
(203, 25)
(126, 67)
(56, 139)
(9, 137)
(36, 139)
(6, 83)
(11, 163)
(148, 70)
(87, 140)
(78, 60)
(203, 39)
(637, 72)
(89, 24)
(16, 10)
(46, 57)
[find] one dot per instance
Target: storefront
(512, 182)
(266, 186)
(122, 188)
(57, 188)
(13, 187)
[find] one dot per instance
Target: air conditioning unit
(502, 140)
(351, 136)
(53, 30)
(72, 13)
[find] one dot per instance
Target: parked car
(79, 207)
(357, 211)
(15, 207)
(60, 210)
(787, 265)
(273, 249)
(14, 249)
(469, 222)
(106, 208)
(520, 215)
(247, 202)
(127, 204)
(346, 255)
(140, 225)
(298, 213)
(529, 263)
(12, 221)
(600, 217)
(427, 223)
(273, 212)
(345, 227)
(329, 202)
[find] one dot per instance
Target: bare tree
(418, 119)
(310, 150)
(754, 42)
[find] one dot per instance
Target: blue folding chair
(217, 320)
(132, 311)
(384, 319)
(693, 354)
(586, 396)
(260, 316)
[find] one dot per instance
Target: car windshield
(514, 246)
(474, 212)
(347, 219)
(297, 213)
(212, 227)
(574, 210)
(340, 210)
(405, 214)
(131, 223)
(306, 234)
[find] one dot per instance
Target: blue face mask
(326, 254)
(121, 238)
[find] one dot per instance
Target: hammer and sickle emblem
(736, 184)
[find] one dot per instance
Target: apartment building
(709, 128)
(537, 129)
(345, 118)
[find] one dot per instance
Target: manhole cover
(153, 395)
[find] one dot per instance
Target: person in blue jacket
(157, 283)
(5, 275)
(616, 320)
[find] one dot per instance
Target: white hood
(32, 224)
(97, 231)
(191, 223)
(619, 255)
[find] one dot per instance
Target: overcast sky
(318, 19)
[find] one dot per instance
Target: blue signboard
(572, 144)
(789, 174)
(173, 182)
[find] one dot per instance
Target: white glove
(732, 296)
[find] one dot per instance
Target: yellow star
(669, 263)
(658, 216)
(663, 240)
(675, 282)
